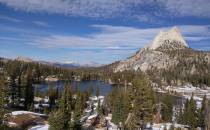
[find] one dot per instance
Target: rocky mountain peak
(171, 39)
(156, 54)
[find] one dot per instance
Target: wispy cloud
(107, 44)
(41, 23)
(118, 37)
(11, 19)
(113, 8)
(107, 37)
(198, 8)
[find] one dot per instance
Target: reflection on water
(105, 88)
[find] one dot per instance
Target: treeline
(87, 73)
(40, 71)
(107, 74)
(19, 77)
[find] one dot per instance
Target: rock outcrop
(162, 53)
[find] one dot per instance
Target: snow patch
(15, 113)
(40, 127)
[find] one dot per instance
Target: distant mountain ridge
(59, 64)
(162, 53)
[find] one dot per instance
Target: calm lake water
(105, 88)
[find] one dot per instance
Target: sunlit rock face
(155, 54)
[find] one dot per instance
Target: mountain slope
(165, 51)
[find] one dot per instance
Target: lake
(105, 88)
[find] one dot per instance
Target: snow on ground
(160, 126)
(93, 116)
(11, 123)
(40, 127)
(167, 126)
(112, 126)
(186, 92)
(15, 113)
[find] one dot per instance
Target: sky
(96, 31)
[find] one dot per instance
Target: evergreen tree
(99, 108)
(19, 85)
(56, 121)
(52, 96)
(97, 91)
(120, 108)
(29, 91)
(190, 114)
(142, 110)
(117, 111)
(77, 113)
(202, 112)
(63, 114)
(65, 105)
(12, 89)
(2, 99)
(193, 122)
(167, 111)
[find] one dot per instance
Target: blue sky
(100, 31)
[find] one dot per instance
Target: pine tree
(120, 108)
(52, 96)
(202, 113)
(99, 108)
(142, 110)
(77, 113)
(29, 91)
(65, 106)
(117, 111)
(167, 111)
(193, 113)
(190, 115)
(19, 83)
(12, 89)
(97, 91)
(2, 99)
(63, 114)
(56, 121)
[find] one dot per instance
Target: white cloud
(102, 57)
(199, 8)
(109, 36)
(106, 37)
(107, 44)
(41, 23)
(10, 19)
(90, 8)
(113, 8)
(118, 37)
